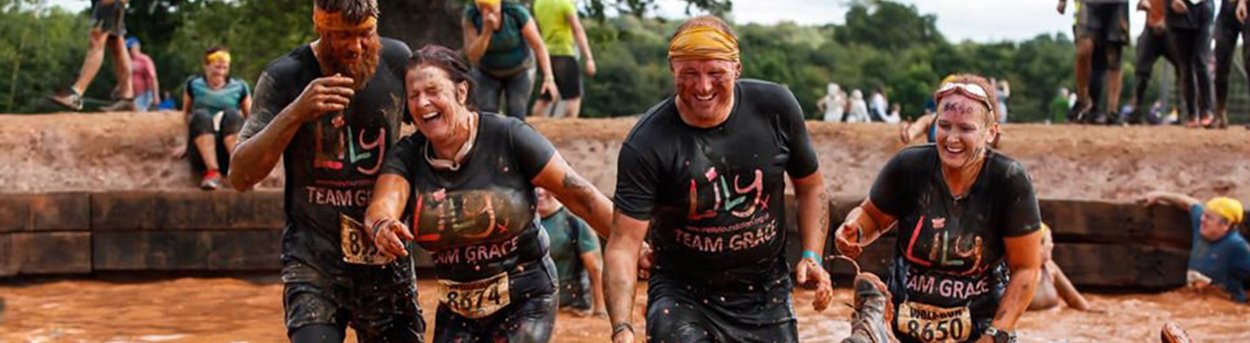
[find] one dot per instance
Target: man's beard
(360, 72)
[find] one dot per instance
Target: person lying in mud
(1220, 257)
(464, 184)
(1054, 286)
(967, 216)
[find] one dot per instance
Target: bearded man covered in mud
(331, 111)
(703, 174)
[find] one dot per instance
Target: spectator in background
(575, 250)
(1004, 92)
(857, 112)
(878, 105)
(1229, 25)
(1059, 106)
(216, 105)
(894, 117)
(1152, 43)
(498, 37)
(833, 104)
(1220, 256)
(1189, 34)
(143, 77)
(108, 26)
(560, 27)
(1101, 30)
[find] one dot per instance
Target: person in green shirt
(560, 28)
(1059, 106)
(575, 250)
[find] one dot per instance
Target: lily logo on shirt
(339, 146)
(739, 201)
(944, 250)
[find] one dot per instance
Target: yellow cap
(481, 3)
(1226, 207)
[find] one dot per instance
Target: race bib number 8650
(475, 299)
(934, 324)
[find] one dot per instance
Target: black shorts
(220, 125)
(575, 294)
(380, 303)
(110, 18)
(1103, 22)
(568, 77)
(676, 316)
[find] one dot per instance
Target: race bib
(357, 244)
(475, 299)
(934, 324)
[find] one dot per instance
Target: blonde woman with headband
(702, 175)
(967, 217)
(216, 105)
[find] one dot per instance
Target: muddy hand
(848, 240)
(324, 95)
(811, 274)
(645, 258)
(387, 237)
(1242, 13)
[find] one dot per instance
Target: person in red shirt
(143, 77)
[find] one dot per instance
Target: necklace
(453, 164)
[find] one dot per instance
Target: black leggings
(317, 333)
(1227, 30)
(1150, 46)
(1193, 49)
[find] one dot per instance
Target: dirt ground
(236, 310)
(121, 151)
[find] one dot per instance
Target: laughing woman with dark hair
(462, 187)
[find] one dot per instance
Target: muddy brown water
(202, 309)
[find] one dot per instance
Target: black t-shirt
(715, 196)
(480, 220)
(950, 252)
(332, 162)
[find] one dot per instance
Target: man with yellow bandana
(1220, 256)
(702, 176)
(331, 111)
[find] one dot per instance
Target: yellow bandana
(485, 3)
(333, 21)
(219, 56)
(1226, 207)
(704, 42)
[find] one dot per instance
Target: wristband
(808, 254)
(618, 328)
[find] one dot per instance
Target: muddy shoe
(873, 312)
(123, 105)
(67, 98)
(1173, 333)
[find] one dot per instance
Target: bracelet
(618, 328)
(377, 226)
(812, 255)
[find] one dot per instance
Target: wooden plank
(257, 210)
(1122, 265)
(150, 250)
(50, 252)
(123, 211)
(14, 212)
(10, 260)
(236, 250)
(192, 210)
(60, 212)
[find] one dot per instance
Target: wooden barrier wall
(1097, 243)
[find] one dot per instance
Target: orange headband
(333, 21)
(218, 56)
(704, 42)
